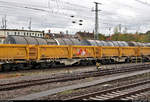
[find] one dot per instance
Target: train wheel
(127, 60)
(53, 65)
(90, 63)
(6, 67)
(43, 65)
(76, 64)
(112, 61)
(103, 62)
(38, 66)
(19, 67)
(109, 61)
(84, 63)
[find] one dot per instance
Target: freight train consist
(31, 52)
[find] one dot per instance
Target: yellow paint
(145, 51)
(129, 51)
(110, 51)
(53, 51)
(38, 52)
(11, 52)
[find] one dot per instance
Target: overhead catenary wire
(66, 16)
(45, 10)
(142, 2)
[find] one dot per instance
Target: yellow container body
(13, 52)
(83, 52)
(52, 51)
(129, 51)
(110, 51)
(145, 51)
(41, 52)
(33, 52)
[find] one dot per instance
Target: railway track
(125, 92)
(57, 67)
(73, 76)
(36, 69)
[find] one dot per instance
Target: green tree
(101, 37)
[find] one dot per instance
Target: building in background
(5, 32)
(84, 35)
(50, 35)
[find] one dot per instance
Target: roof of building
(58, 35)
(85, 35)
(20, 30)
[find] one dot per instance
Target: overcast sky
(55, 15)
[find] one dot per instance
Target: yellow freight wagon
(129, 51)
(53, 52)
(12, 52)
(36, 54)
(110, 51)
(145, 51)
(83, 52)
(41, 52)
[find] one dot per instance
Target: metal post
(5, 22)
(30, 24)
(96, 20)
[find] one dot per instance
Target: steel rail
(115, 93)
(77, 76)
